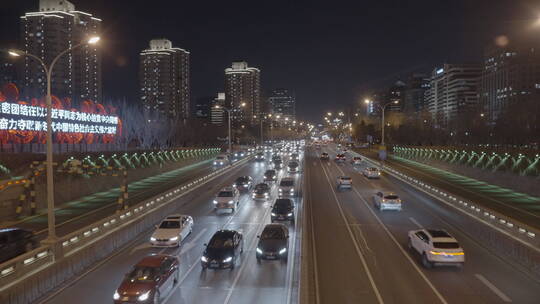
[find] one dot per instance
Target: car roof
(288, 178)
(224, 233)
(283, 201)
(152, 260)
(276, 226)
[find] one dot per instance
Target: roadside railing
(19, 269)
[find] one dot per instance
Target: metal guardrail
(519, 231)
(25, 265)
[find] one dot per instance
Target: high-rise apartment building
(395, 97)
(453, 90)
(413, 100)
(164, 77)
(242, 86)
(282, 102)
(217, 113)
(8, 73)
(510, 74)
(56, 27)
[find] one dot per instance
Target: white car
(356, 161)
(343, 182)
(172, 231)
(227, 198)
(221, 160)
(437, 247)
(286, 187)
(371, 172)
(387, 201)
(293, 167)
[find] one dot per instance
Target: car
(259, 156)
(273, 243)
(278, 164)
(295, 156)
(371, 172)
(356, 161)
(344, 182)
(286, 187)
(221, 160)
(172, 231)
(14, 242)
(387, 201)
(243, 183)
(340, 158)
(149, 280)
(223, 250)
(436, 247)
(276, 157)
(282, 210)
(325, 156)
(293, 167)
(270, 175)
(261, 191)
(339, 146)
(238, 154)
(227, 198)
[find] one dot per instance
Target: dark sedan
(261, 191)
(270, 176)
(283, 210)
(224, 248)
(243, 183)
(273, 243)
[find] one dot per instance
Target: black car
(325, 156)
(276, 157)
(273, 243)
(259, 156)
(283, 210)
(243, 183)
(14, 242)
(270, 176)
(261, 191)
(278, 164)
(224, 248)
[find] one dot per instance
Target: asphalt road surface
(361, 256)
(248, 282)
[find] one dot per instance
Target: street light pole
(383, 108)
(51, 238)
(229, 113)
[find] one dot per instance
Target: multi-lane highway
(360, 255)
(248, 282)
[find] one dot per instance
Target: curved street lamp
(51, 238)
(367, 101)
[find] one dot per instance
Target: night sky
(329, 53)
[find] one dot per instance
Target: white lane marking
(416, 223)
(493, 288)
(251, 246)
(433, 288)
(355, 243)
(191, 243)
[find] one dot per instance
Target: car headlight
(116, 295)
(144, 296)
(282, 251)
(266, 194)
(173, 238)
(273, 214)
(227, 260)
(215, 202)
(231, 202)
(259, 250)
(274, 176)
(292, 191)
(215, 163)
(204, 259)
(280, 190)
(289, 214)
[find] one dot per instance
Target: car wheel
(425, 261)
(176, 277)
(232, 210)
(156, 297)
(258, 260)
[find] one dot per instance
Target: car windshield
(345, 178)
(446, 245)
(272, 234)
(270, 173)
(293, 164)
(225, 194)
(261, 187)
(340, 155)
(169, 225)
(391, 197)
(283, 203)
(220, 157)
(142, 274)
(241, 180)
(220, 242)
(286, 183)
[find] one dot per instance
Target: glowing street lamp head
(243, 104)
(367, 101)
(329, 113)
(396, 101)
(14, 53)
(93, 40)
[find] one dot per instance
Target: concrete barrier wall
(83, 249)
